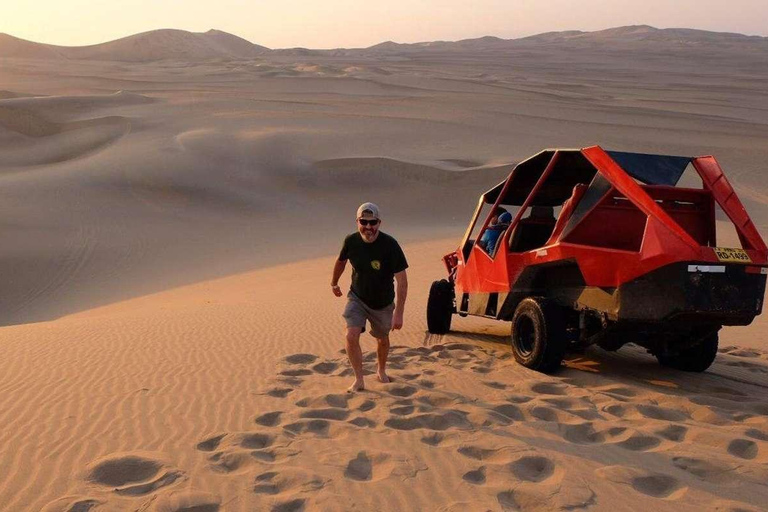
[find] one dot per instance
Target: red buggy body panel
(612, 231)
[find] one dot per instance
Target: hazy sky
(355, 23)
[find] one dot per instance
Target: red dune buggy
(603, 248)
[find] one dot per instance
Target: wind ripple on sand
(242, 404)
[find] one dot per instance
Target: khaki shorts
(357, 312)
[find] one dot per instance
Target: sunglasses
(371, 222)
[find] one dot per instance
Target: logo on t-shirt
(376, 264)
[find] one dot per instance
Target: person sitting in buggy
(499, 223)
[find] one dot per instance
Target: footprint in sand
(264, 485)
(533, 468)
(433, 439)
(72, 504)
(477, 453)
(362, 422)
(757, 434)
(232, 453)
(210, 444)
(346, 372)
(326, 414)
(366, 406)
(288, 480)
(495, 385)
(269, 419)
(317, 427)
(298, 372)
(360, 468)
(508, 413)
(435, 421)
(403, 410)
(402, 391)
(674, 433)
(656, 485)
(519, 399)
(279, 392)
(476, 477)
(425, 383)
(325, 368)
(552, 415)
(743, 448)
(132, 474)
(301, 358)
(229, 462)
(255, 441)
(640, 443)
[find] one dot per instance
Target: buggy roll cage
(607, 172)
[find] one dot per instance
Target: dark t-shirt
(374, 267)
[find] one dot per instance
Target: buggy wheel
(440, 307)
(693, 359)
(538, 335)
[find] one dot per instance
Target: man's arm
(338, 269)
(402, 292)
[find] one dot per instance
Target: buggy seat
(533, 231)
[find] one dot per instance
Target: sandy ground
(170, 343)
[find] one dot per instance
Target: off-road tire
(539, 335)
(440, 307)
(693, 359)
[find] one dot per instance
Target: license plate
(732, 255)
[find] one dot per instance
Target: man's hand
(402, 291)
(336, 290)
(397, 319)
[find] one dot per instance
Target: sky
(361, 23)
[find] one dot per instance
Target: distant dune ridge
(215, 44)
(147, 46)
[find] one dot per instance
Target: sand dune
(213, 395)
(33, 138)
(169, 44)
(147, 46)
(215, 44)
(168, 339)
(14, 47)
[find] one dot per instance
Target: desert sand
(169, 341)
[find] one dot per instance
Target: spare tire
(539, 334)
(440, 307)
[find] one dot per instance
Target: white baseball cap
(368, 207)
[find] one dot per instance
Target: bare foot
(358, 385)
(383, 377)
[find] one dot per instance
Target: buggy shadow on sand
(603, 248)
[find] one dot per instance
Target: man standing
(377, 261)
